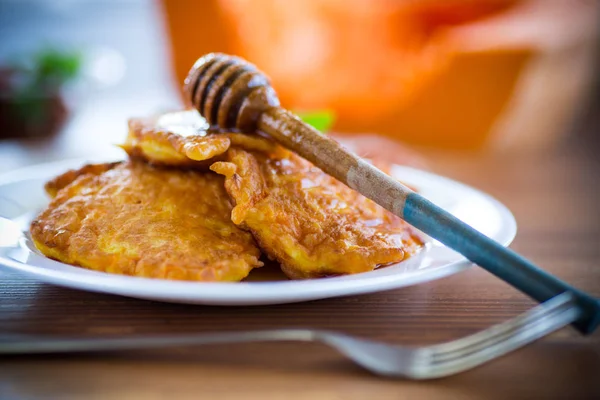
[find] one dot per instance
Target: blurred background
(483, 76)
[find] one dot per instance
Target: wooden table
(559, 230)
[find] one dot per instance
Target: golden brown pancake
(54, 185)
(182, 139)
(135, 219)
(307, 220)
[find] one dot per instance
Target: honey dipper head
(229, 92)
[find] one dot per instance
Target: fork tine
(502, 348)
(562, 312)
(495, 333)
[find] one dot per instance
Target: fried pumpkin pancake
(182, 139)
(54, 185)
(307, 220)
(135, 219)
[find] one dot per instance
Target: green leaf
(56, 67)
(321, 120)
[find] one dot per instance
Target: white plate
(22, 196)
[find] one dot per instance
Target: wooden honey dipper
(233, 94)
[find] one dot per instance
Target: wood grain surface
(554, 197)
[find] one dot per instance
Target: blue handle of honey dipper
(424, 215)
(497, 259)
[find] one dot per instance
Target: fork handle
(497, 259)
(25, 344)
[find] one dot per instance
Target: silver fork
(380, 358)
